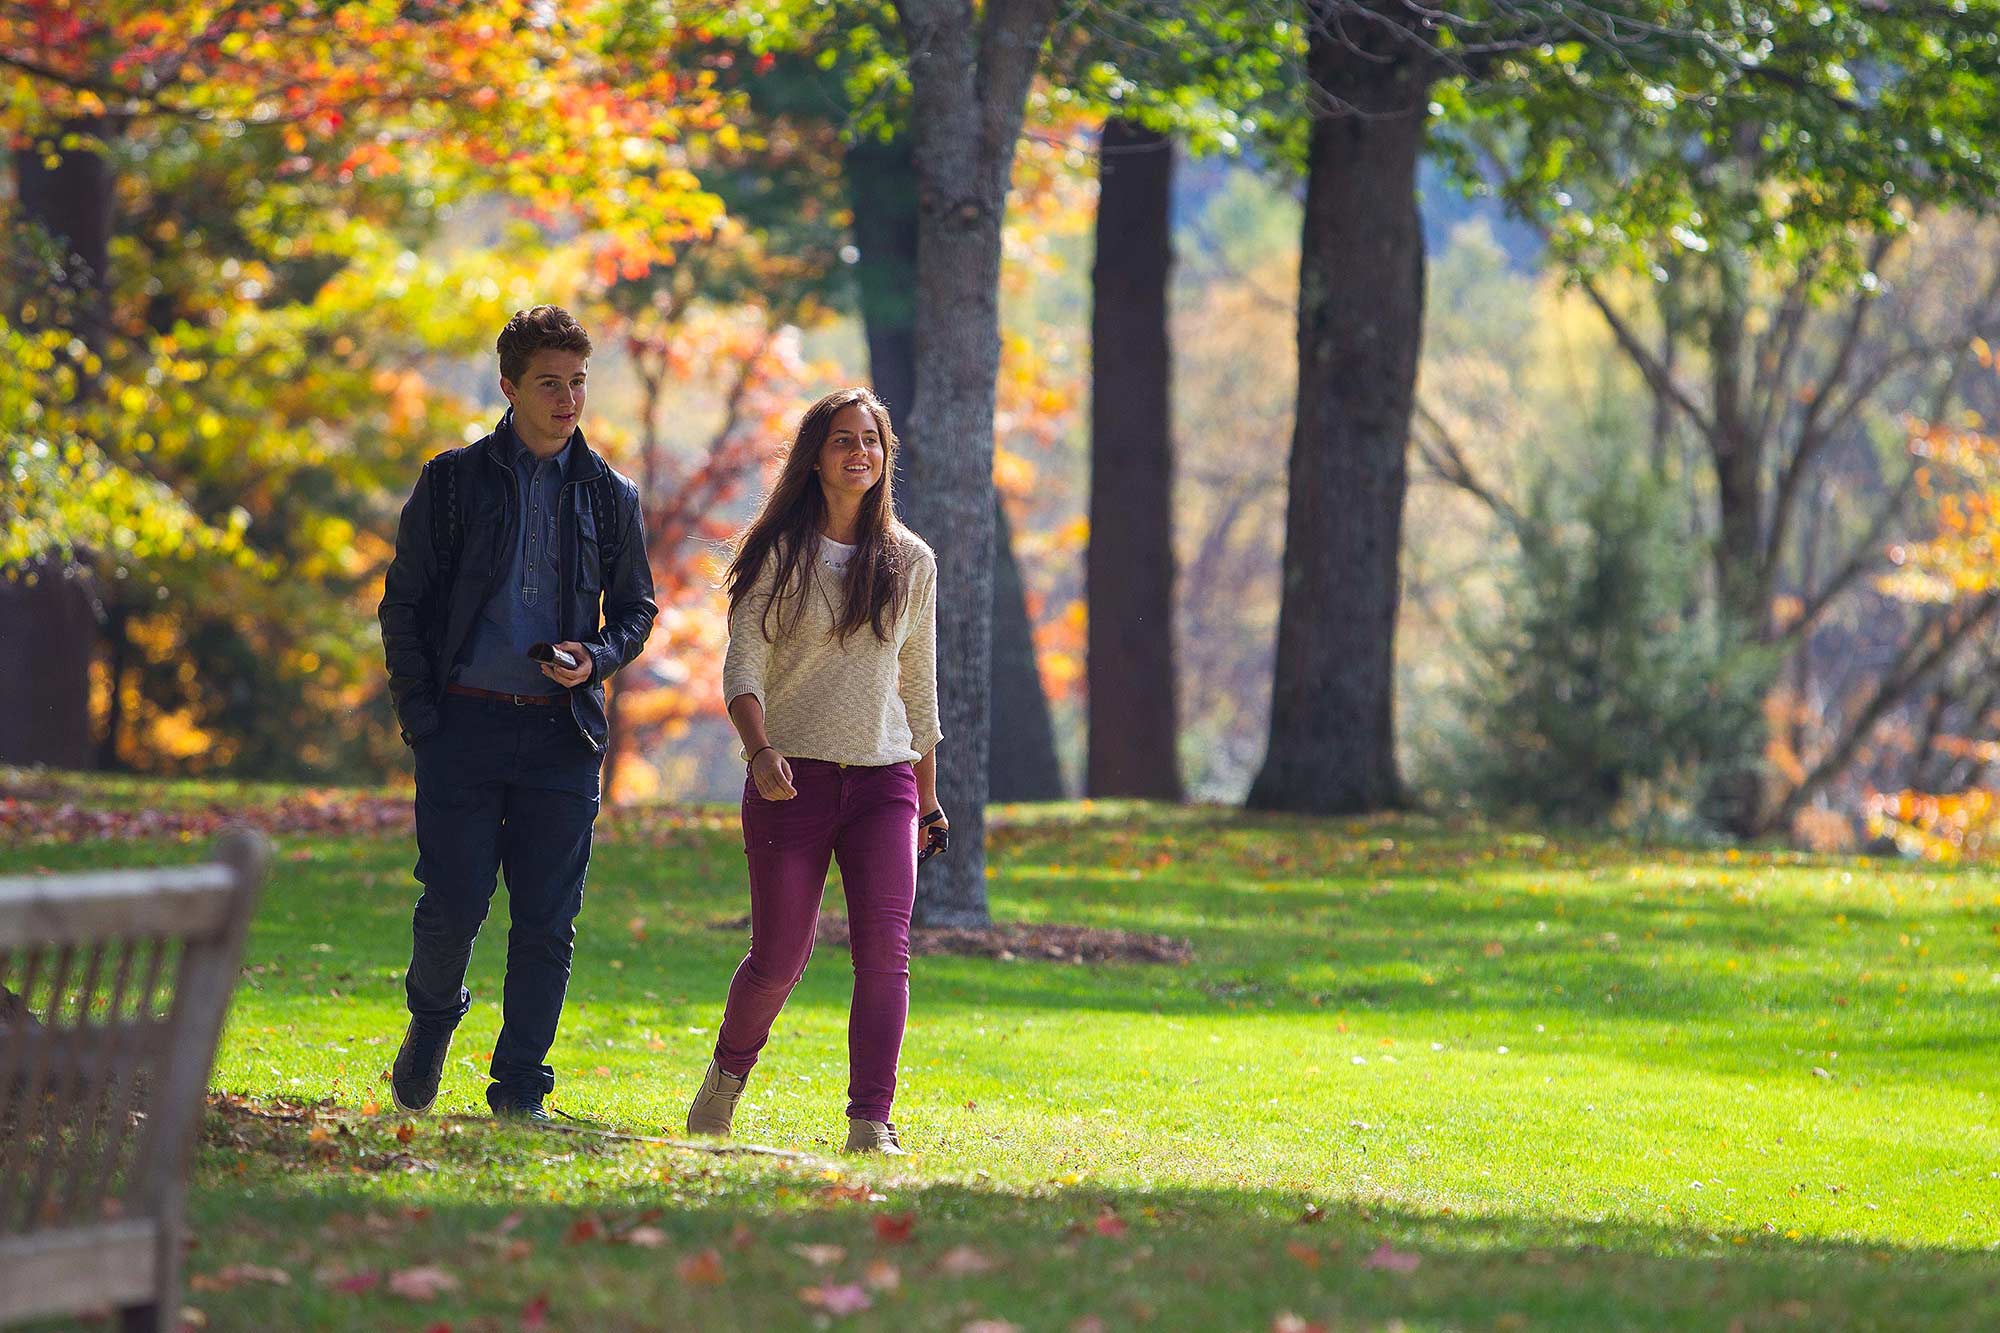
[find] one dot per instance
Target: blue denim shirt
(523, 608)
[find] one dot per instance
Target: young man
(523, 541)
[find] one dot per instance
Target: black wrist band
(759, 750)
(931, 818)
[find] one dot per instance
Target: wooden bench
(115, 985)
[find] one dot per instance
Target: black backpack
(448, 519)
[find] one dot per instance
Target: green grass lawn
(1416, 1076)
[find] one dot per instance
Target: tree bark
(47, 717)
(882, 193)
(1022, 765)
(969, 90)
(1129, 568)
(1332, 737)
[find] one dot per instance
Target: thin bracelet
(753, 758)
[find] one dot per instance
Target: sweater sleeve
(917, 662)
(749, 652)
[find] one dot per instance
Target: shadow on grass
(1041, 1257)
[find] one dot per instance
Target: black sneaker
(516, 1106)
(413, 1079)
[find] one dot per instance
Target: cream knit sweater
(859, 702)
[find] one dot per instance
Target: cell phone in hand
(938, 841)
(548, 652)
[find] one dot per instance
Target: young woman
(831, 680)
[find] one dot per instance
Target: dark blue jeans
(513, 790)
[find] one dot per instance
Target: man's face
(548, 401)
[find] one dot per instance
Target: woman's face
(851, 460)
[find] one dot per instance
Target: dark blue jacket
(606, 601)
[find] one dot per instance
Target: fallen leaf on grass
(405, 1132)
(964, 1261)
(352, 1284)
(1287, 1322)
(371, 1107)
(850, 1192)
(882, 1275)
(236, 1275)
(1392, 1260)
(422, 1284)
(1110, 1224)
(990, 1326)
(702, 1270)
(583, 1229)
(1302, 1252)
(894, 1229)
(820, 1256)
(837, 1300)
(535, 1315)
(1313, 1213)
(646, 1238)
(741, 1237)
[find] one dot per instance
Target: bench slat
(56, 1272)
(183, 901)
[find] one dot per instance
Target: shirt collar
(522, 458)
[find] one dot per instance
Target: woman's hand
(773, 775)
(932, 837)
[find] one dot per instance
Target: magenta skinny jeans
(866, 819)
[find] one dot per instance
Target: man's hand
(567, 677)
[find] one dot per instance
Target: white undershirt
(834, 555)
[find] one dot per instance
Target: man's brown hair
(532, 331)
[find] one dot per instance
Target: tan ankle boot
(872, 1136)
(715, 1102)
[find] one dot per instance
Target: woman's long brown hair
(787, 531)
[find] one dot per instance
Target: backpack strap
(604, 513)
(447, 518)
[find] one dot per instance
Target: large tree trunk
(882, 191)
(52, 624)
(1129, 570)
(969, 87)
(1332, 737)
(1022, 765)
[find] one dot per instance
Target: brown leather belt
(519, 700)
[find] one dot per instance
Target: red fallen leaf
(422, 1284)
(583, 1229)
(896, 1229)
(535, 1315)
(514, 1251)
(439, 1327)
(882, 1275)
(1313, 1213)
(837, 1300)
(404, 1133)
(1391, 1260)
(702, 1270)
(741, 1237)
(356, 1283)
(509, 1223)
(1110, 1224)
(1302, 1252)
